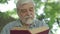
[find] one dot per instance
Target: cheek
(22, 15)
(32, 14)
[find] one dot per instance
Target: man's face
(26, 13)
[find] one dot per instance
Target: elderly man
(25, 10)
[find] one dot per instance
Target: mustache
(28, 17)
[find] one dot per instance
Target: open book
(40, 30)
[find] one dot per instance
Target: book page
(34, 30)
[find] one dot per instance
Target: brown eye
(23, 10)
(31, 9)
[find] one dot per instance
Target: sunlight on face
(26, 13)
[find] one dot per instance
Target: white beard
(27, 20)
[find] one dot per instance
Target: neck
(26, 26)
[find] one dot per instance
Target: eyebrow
(24, 4)
(31, 7)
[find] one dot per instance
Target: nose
(28, 13)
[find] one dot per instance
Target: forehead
(26, 5)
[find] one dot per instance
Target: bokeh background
(46, 10)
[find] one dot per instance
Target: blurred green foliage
(3, 1)
(7, 13)
(51, 10)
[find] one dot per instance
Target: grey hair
(20, 2)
